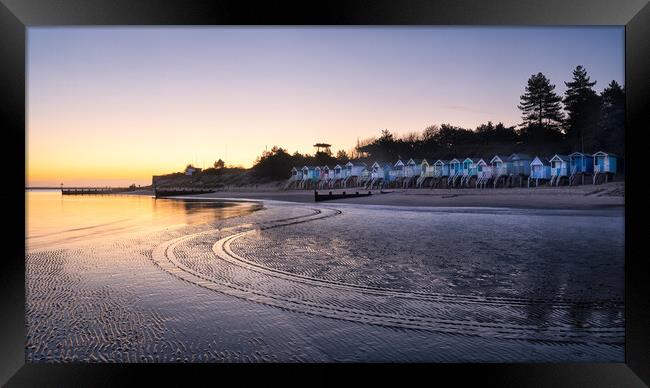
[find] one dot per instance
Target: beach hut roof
(578, 154)
(415, 161)
(441, 161)
(325, 167)
(308, 167)
(454, 160)
(562, 158)
(355, 163)
(603, 153)
(337, 166)
(516, 156)
(471, 159)
(541, 160)
(484, 160)
(502, 158)
(399, 162)
(294, 168)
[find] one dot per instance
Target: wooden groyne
(94, 190)
(329, 196)
(159, 192)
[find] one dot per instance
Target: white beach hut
(412, 171)
(559, 169)
(540, 171)
(483, 173)
(426, 172)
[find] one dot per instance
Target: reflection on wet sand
(199, 281)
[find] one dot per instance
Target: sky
(114, 106)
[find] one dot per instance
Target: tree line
(580, 120)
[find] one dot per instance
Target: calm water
(133, 279)
(53, 219)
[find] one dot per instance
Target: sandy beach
(575, 197)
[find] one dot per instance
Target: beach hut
(469, 171)
(580, 165)
(412, 170)
(379, 174)
(501, 169)
(540, 170)
(559, 169)
(353, 171)
(324, 177)
(309, 176)
(520, 164)
(364, 178)
(440, 172)
(295, 177)
(397, 172)
(426, 172)
(483, 172)
(336, 176)
(455, 172)
(441, 168)
(605, 167)
(520, 168)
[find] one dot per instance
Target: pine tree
(583, 108)
(611, 128)
(540, 104)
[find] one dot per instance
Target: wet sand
(299, 282)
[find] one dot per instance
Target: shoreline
(587, 197)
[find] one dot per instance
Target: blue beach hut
(469, 171)
(580, 165)
(605, 166)
(520, 164)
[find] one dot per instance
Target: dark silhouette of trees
(342, 157)
(274, 164)
(582, 105)
(610, 133)
(540, 104)
(219, 164)
(541, 112)
(277, 163)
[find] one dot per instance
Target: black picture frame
(17, 15)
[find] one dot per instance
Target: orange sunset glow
(110, 106)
